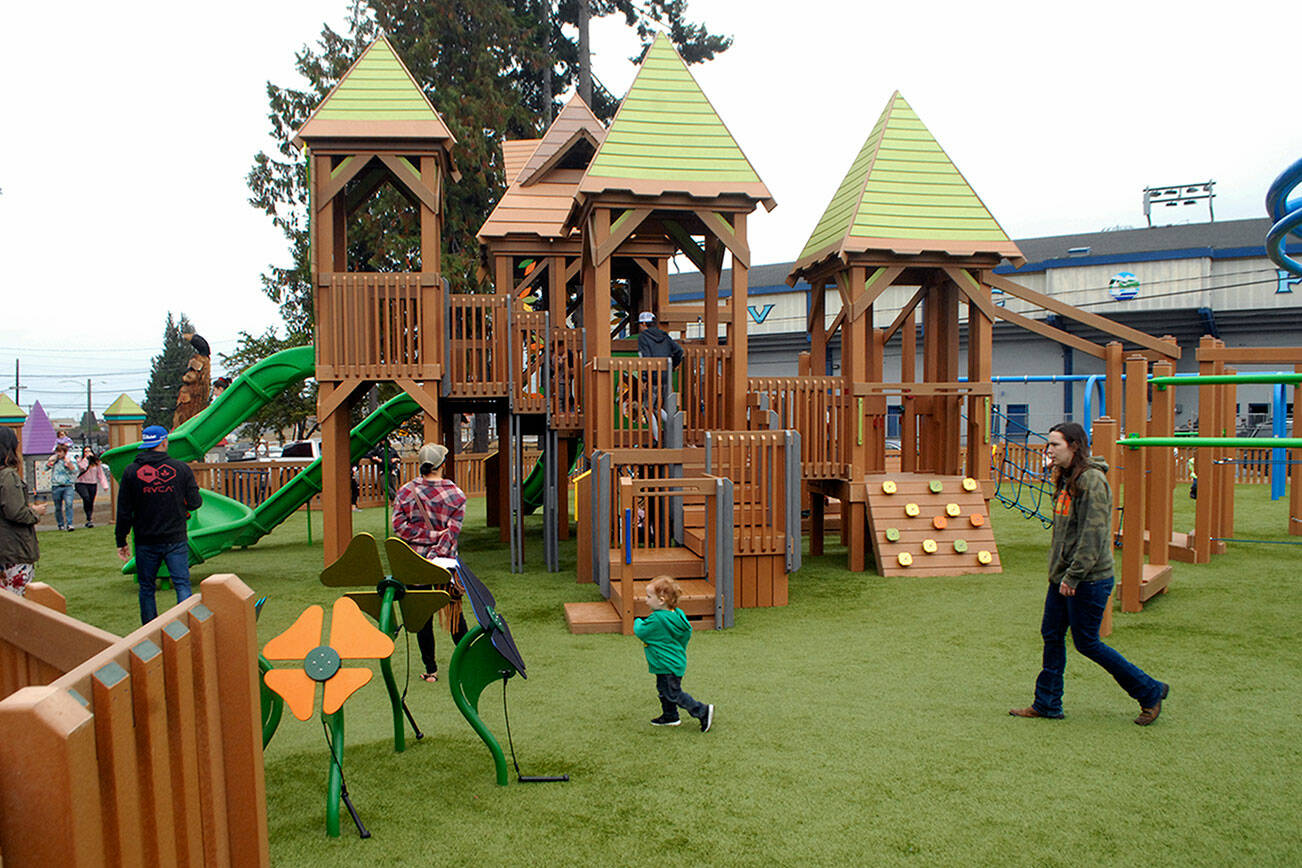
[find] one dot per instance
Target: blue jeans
(63, 496)
(1084, 613)
(672, 697)
(148, 556)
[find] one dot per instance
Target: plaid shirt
(443, 502)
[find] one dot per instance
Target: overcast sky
(129, 129)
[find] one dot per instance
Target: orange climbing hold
(940, 522)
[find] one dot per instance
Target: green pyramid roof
(124, 408)
(9, 411)
(376, 98)
(903, 195)
(667, 138)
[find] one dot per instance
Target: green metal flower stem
(388, 628)
(334, 783)
(476, 664)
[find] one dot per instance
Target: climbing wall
(925, 525)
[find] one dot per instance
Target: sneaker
(90, 524)
(71, 528)
(665, 721)
(707, 719)
(1148, 715)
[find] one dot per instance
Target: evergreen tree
(493, 68)
(288, 411)
(166, 371)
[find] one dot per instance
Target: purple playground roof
(38, 432)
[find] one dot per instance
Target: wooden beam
(967, 284)
(843, 287)
(339, 178)
(1251, 355)
(648, 266)
(905, 313)
(403, 174)
(881, 280)
(1093, 320)
(329, 399)
(836, 322)
(723, 230)
(817, 306)
(428, 402)
(1053, 334)
(685, 243)
(624, 226)
(572, 268)
(532, 276)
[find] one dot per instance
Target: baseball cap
(646, 316)
(432, 454)
(153, 435)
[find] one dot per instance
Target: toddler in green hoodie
(666, 632)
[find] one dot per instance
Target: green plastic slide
(223, 523)
(531, 492)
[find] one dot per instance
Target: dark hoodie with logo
(155, 498)
(1081, 550)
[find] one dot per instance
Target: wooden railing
(249, 482)
(703, 385)
(567, 378)
(478, 345)
(378, 326)
(145, 750)
(528, 356)
(630, 396)
(755, 462)
(817, 407)
(643, 518)
(1251, 466)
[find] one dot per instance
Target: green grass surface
(865, 723)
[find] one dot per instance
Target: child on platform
(666, 632)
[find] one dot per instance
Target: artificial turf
(864, 723)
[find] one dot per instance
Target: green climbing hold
(960, 545)
(936, 486)
(892, 534)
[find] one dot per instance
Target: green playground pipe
(1225, 379)
(475, 665)
(1215, 442)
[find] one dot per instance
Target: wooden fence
(142, 750)
(567, 378)
(528, 357)
(817, 407)
(630, 395)
(478, 345)
(703, 386)
(378, 326)
(755, 462)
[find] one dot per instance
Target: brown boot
(1148, 715)
(1029, 711)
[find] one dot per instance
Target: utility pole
(17, 386)
(585, 56)
(85, 422)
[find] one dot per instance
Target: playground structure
(140, 750)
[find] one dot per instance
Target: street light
(1179, 194)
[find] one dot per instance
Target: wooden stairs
(684, 564)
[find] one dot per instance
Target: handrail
(1215, 442)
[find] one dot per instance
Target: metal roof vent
(1078, 251)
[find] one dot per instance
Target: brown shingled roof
(540, 185)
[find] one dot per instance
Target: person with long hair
(1081, 580)
(90, 479)
(19, 550)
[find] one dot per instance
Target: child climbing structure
(904, 215)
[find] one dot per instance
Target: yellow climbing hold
(929, 546)
(969, 484)
(952, 510)
(904, 558)
(912, 510)
(984, 557)
(888, 487)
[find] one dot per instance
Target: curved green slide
(222, 523)
(531, 491)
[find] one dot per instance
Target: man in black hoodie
(156, 497)
(654, 342)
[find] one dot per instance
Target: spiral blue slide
(1287, 214)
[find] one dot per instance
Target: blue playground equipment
(1287, 214)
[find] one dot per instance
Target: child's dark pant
(672, 698)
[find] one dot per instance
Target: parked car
(300, 449)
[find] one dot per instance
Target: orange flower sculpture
(351, 638)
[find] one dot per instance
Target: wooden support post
(980, 369)
(1226, 472)
(951, 462)
(854, 368)
(503, 493)
(909, 411)
(1161, 462)
(818, 328)
(817, 522)
(930, 430)
(336, 477)
(1103, 443)
(1113, 366)
(854, 523)
(737, 330)
(712, 274)
(1132, 550)
(596, 287)
(877, 412)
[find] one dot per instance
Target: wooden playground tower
(375, 127)
(904, 215)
